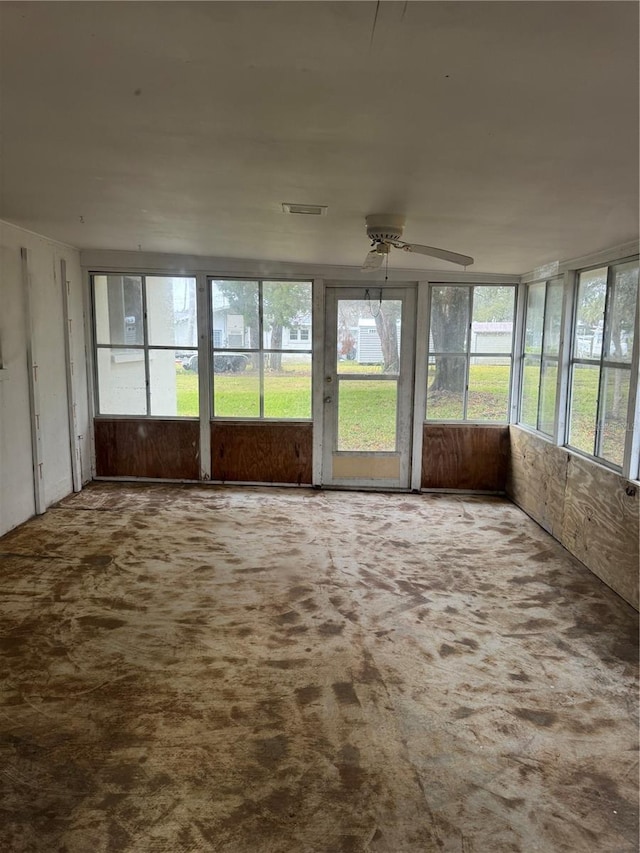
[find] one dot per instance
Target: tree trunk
(388, 334)
(449, 325)
(275, 358)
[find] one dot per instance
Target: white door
(368, 385)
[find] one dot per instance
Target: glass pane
(553, 318)
(614, 402)
(449, 319)
(488, 397)
(548, 387)
(171, 311)
(286, 306)
(530, 390)
(492, 326)
(590, 314)
(621, 313)
(535, 318)
(235, 314)
(173, 382)
(369, 335)
(584, 406)
(236, 385)
(118, 309)
(287, 385)
(447, 379)
(121, 382)
(367, 414)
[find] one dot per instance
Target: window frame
(130, 349)
(258, 351)
(541, 357)
(468, 354)
(630, 465)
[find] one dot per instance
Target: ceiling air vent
(305, 209)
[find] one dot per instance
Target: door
(368, 385)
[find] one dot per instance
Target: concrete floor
(289, 671)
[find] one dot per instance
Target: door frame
(325, 414)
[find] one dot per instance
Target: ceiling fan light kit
(386, 229)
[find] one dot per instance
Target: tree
(449, 325)
(450, 318)
(620, 321)
(283, 304)
(493, 304)
(387, 327)
(386, 314)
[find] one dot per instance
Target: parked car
(230, 363)
(222, 363)
(191, 363)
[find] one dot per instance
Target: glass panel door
(368, 387)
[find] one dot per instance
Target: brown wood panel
(601, 525)
(140, 447)
(465, 457)
(262, 452)
(536, 478)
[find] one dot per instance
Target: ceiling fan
(385, 230)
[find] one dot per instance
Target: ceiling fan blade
(443, 254)
(373, 261)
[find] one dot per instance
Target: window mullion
(631, 459)
(544, 317)
(565, 354)
(204, 312)
(261, 344)
(518, 343)
(145, 338)
(600, 408)
(468, 361)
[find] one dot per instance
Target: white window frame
(542, 356)
(258, 351)
(135, 352)
(631, 462)
(468, 355)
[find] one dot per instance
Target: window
(258, 370)
(541, 354)
(470, 352)
(602, 346)
(146, 334)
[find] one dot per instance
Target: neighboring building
(491, 338)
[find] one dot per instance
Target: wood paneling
(139, 447)
(593, 512)
(262, 452)
(465, 457)
(536, 478)
(601, 525)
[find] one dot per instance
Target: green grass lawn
(367, 409)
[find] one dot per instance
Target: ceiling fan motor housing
(385, 227)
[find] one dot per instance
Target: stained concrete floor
(283, 671)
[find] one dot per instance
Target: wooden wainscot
(465, 457)
(262, 452)
(145, 447)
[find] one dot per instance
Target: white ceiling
(507, 130)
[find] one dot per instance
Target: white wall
(17, 502)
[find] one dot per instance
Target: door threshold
(390, 489)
